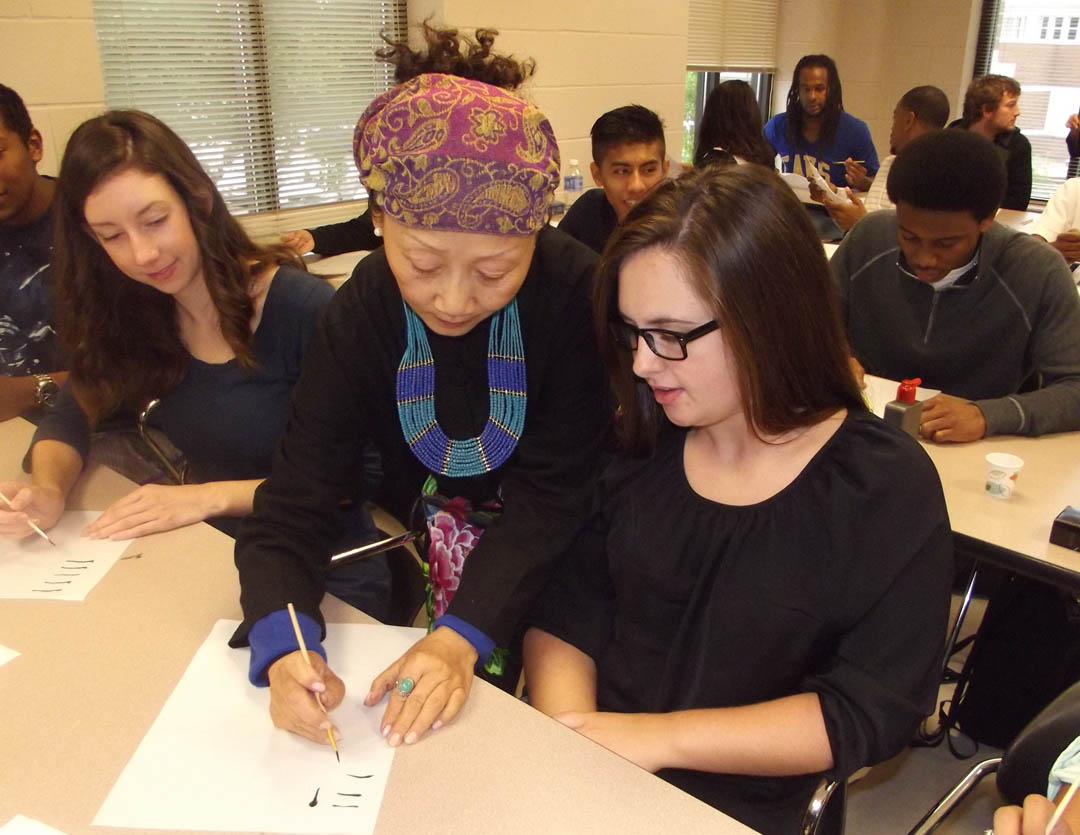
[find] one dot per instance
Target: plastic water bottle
(573, 182)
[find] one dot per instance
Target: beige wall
(591, 57)
(50, 58)
(882, 49)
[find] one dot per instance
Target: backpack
(1026, 653)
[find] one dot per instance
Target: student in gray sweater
(937, 289)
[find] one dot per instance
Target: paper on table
(213, 761)
(20, 825)
(823, 184)
(342, 264)
(31, 568)
(6, 655)
(880, 391)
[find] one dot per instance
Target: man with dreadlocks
(816, 131)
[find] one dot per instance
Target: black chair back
(1025, 765)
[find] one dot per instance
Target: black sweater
(346, 395)
(349, 236)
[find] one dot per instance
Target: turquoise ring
(405, 686)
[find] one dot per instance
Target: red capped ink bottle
(905, 412)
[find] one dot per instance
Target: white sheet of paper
(794, 180)
(32, 569)
(214, 761)
(6, 655)
(830, 195)
(880, 391)
(342, 264)
(20, 825)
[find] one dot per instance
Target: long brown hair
(732, 121)
(751, 253)
(121, 336)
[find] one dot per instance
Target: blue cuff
(272, 637)
(482, 643)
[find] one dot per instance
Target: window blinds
(266, 92)
(733, 35)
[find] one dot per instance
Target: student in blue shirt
(815, 129)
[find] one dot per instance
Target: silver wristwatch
(47, 391)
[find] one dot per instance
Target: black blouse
(346, 395)
(837, 585)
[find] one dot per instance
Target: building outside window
(1035, 42)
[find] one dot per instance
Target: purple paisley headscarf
(444, 152)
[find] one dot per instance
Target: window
(266, 92)
(728, 39)
(698, 87)
(1011, 28)
(1046, 62)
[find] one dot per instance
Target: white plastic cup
(1001, 472)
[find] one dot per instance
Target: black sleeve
(880, 679)
(575, 221)
(66, 423)
(578, 604)
(840, 268)
(547, 486)
(350, 236)
(1018, 186)
(284, 546)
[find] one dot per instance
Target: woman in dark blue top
(161, 294)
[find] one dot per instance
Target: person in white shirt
(1059, 224)
(919, 110)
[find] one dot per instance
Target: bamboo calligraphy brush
(1061, 808)
(307, 658)
(37, 530)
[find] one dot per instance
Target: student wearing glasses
(756, 600)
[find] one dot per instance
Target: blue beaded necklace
(506, 393)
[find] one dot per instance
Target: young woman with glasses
(761, 595)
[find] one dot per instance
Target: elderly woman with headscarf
(465, 351)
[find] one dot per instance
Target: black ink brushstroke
(343, 806)
(346, 794)
(132, 557)
(360, 776)
(85, 561)
(46, 589)
(61, 574)
(57, 582)
(315, 800)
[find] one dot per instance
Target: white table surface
(1015, 531)
(92, 676)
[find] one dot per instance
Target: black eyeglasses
(669, 345)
